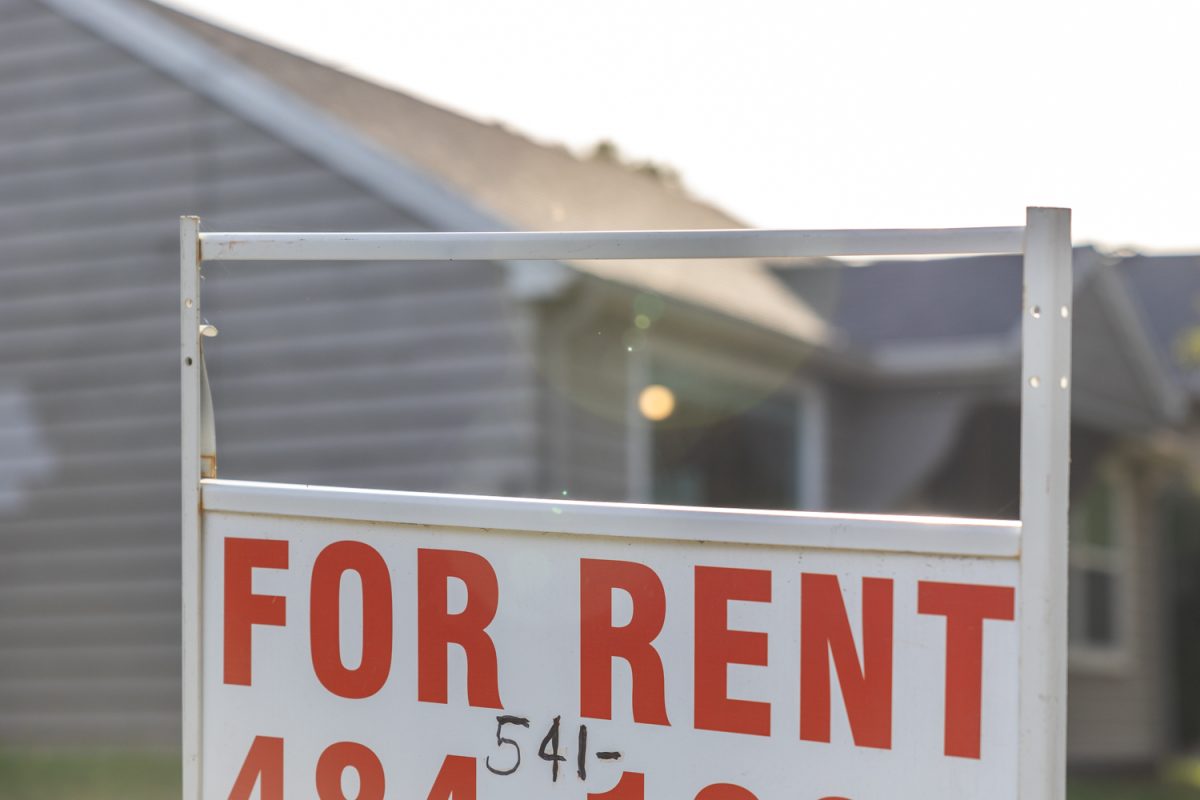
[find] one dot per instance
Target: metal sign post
(1045, 473)
(347, 643)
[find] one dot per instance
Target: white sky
(818, 113)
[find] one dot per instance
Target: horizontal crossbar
(801, 529)
(605, 245)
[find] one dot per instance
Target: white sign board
(344, 643)
(544, 664)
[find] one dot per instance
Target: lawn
(88, 776)
(137, 776)
(1127, 789)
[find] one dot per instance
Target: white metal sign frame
(1038, 541)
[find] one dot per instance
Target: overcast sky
(818, 113)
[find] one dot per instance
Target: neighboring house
(946, 332)
(1167, 291)
(728, 383)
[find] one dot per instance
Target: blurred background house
(891, 387)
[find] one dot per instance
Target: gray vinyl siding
(1103, 394)
(585, 397)
(418, 376)
(1116, 715)
(1119, 718)
(883, 442)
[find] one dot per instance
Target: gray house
(961, 314)
(1166, 290)
(736, 383)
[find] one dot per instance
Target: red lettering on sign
(243, 608)
(600, 642)
(264, 762)
(632, 786)
(717, 647)
(965, 606)
(437, 628)
(866, 688)
(325, 619)
(334, 761)
(455, 780)
(725, 791)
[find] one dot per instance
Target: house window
(1100, 534)
(717, 441)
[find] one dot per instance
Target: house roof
(530, 185)
(459, 174)
(962, 315)
(932, 301)
(1166, 290)
(456, 172)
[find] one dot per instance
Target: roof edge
(832, 348)
(1171, 398)
(268, 106)
(988, 357)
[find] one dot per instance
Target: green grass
(88, 776)
(1128, 789)
(139, 776)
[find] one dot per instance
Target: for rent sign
(592, 651)
(342, 643)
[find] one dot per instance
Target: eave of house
(985, 364)
(991, 364)
(266, 105)
(300, 102)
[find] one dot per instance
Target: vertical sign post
(1045, 468)
(190, 371)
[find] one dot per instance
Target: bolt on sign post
(347, 643)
